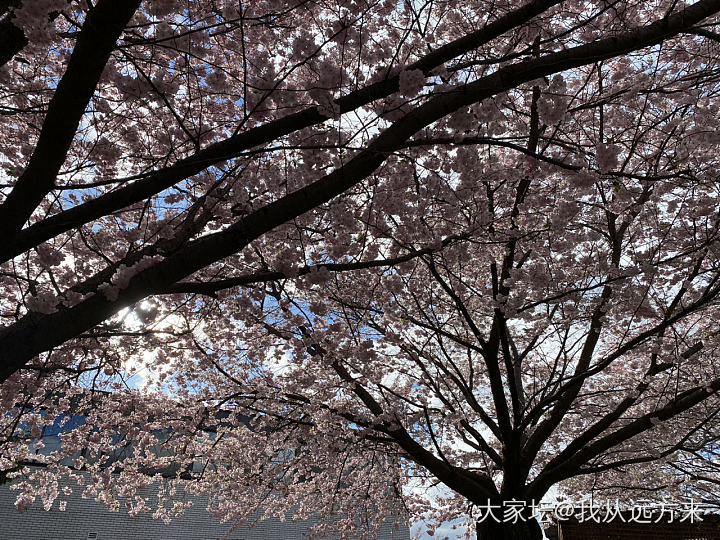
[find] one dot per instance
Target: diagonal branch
(683, 402)
(96, 41)
(158, 181)
(210, 288)
(36, 332)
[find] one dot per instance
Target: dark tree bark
(95, 43)
(12, 39)
(20, 341)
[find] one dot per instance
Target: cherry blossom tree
(320, 258)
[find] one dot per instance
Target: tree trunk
(522, 530)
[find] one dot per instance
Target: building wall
(83, 517)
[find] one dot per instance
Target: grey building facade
(86, 519)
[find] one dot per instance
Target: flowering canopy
(472, 243)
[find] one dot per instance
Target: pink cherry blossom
(359, 260)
